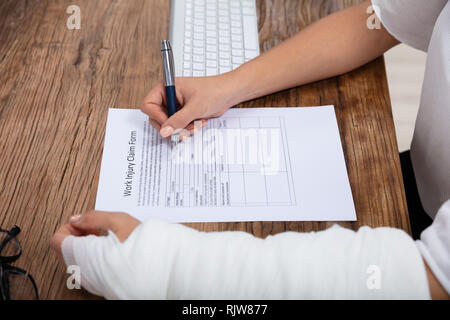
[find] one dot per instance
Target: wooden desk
(57, 85)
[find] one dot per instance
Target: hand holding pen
(175, 104)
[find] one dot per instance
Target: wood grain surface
(56, 86)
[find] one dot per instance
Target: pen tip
(165, 45)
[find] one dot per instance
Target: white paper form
(256, 164)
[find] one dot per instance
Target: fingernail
(75, 218)
(166, 131)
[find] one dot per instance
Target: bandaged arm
(169, 261)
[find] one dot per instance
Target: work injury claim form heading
(256, 164)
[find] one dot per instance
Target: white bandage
(169, 261)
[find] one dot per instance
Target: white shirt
(425, 25)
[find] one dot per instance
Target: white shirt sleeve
(410, 21)
(434, 245)
(170, 261)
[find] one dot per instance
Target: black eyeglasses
(15, 283)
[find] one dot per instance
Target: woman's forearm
(332, 46)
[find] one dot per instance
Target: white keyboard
(211, 37)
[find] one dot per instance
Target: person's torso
(430, 150)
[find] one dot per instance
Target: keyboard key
(238, 52)
(248, 3)
(211, 71)
(199, 29)
(234, 4)
(198, 51)
(211, 56)
(224, 63)
(224, 33)
(199, 22)
(224, 69)
(223, 5)
(238, 60)
(250, 37)
(198, 43)
(224, 47)
(197, 58)
(236, 11)
(237, 45)
(250, 54)
(237, 38)
(236, 31)
(235, 24)
(211, 49)
(198, 11)
(248, 11)
(224, 40)
(211, 63)
(225, 55)
(235, 17)
(187, 73)
(199, 36)
(198, 66)
(224, 26)
(197, 73)
(187, 65)
(211, 20)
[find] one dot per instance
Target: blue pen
(169, 82)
